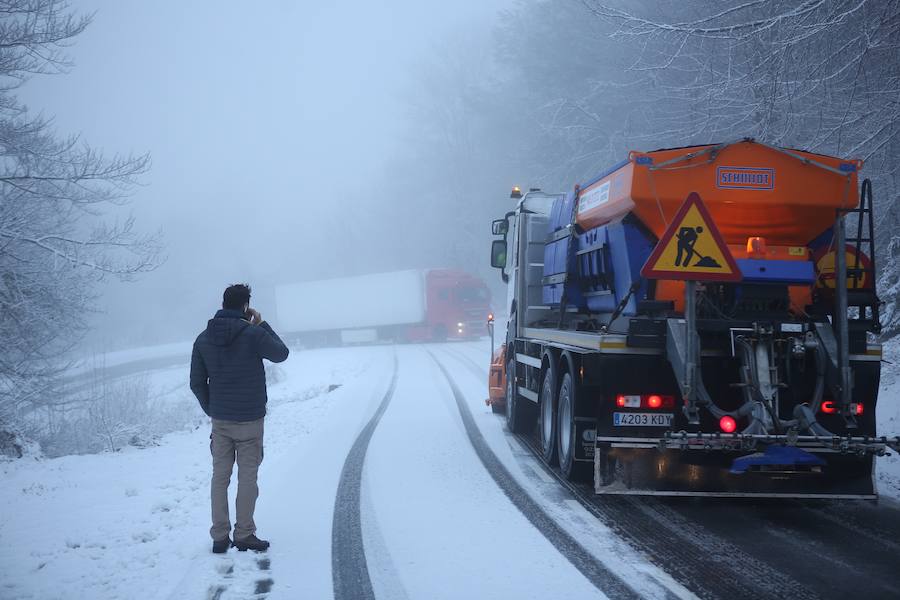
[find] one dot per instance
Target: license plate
(642, 419)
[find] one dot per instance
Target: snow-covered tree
(54, 243)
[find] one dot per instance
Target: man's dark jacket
(227, 374)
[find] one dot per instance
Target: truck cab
(521, 261)
(457, 304)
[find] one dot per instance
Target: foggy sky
(256, 115)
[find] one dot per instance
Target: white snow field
(434, 523)
(134, 524)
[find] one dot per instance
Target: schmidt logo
(745, 178)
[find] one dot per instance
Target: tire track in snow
(660, 529)
(593, 570)
(349, 569)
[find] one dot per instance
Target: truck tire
(547, 425)
(566, 412)
(439, 334)
(497, 409)
(519, 415)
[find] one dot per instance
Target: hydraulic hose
(821, 365)
(807, 419)
(805, 414)
(753, 397)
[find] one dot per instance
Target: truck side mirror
(498, 254)
(500, 227)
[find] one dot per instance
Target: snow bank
(120, 357)
(888, 418)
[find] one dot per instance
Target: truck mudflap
(740, 465)
(586, 434)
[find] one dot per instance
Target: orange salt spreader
(747, 186)
(767, 202)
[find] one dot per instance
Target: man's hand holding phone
(255, 317)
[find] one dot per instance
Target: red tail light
(652, 401)
(829, 408)
(657, 401)
(727, 424)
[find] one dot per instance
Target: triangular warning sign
(692, 248)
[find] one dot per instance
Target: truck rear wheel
(519, 415)
(547, 416)
(567, 432)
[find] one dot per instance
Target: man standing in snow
(229, 380)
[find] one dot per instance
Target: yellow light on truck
(756, 247)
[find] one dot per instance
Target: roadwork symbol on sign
(692, 248)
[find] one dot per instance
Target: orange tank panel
(749, 189)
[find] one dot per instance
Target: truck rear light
(628, 401)
(727, 424)
(658, 401)
(829, 408)
(652, 401)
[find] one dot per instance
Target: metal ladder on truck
(862, 298)
(854, 289)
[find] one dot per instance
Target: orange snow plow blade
(497, 381)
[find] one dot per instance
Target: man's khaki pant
(230, 441)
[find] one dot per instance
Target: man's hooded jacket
(227, 373)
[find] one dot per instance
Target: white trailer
(404, 306)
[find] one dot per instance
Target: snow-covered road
(385, 476)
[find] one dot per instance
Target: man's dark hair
(236, 296)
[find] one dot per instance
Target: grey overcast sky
(254, 113)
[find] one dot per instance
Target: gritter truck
(401, 306)
(697, 321)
